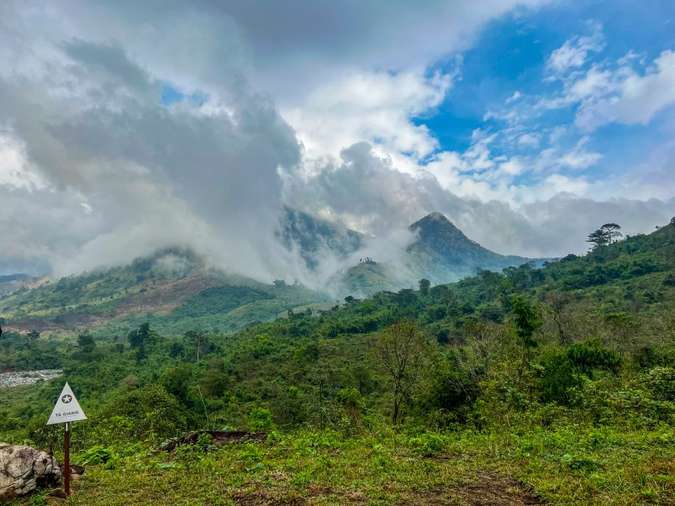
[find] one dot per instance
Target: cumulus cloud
(375, 106)
(148, 175)
(364, 191)
(626, 96)
(96, 167)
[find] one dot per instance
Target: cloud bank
(127, 126)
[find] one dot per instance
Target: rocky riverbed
(16, 378)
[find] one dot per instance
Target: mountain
(314, 238)
(369, 277)
(573, 363)
(12, 282)
(173, 289)
(440, 252)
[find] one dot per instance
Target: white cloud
(573, 53)
(625, 96)
(579, 157)
(14, 170)
(375, 107)
(95, 169)
(529, 140)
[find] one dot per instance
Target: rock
(16, 378)
(23, 469)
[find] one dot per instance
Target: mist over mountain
(315, 239)
(178, 288)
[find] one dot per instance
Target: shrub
(153, 411)
(260, 419)
(98, 455)
(428, 444)
(564, 371)
(660, 382)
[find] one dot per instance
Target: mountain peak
(435, 222)
(446, 253)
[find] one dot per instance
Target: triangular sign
(67, 409)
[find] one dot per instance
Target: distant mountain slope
(442, 253)
(176, 290)
(369, 277)
(12, 282)
(173, 288)
(313, 237)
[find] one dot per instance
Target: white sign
(67, 408)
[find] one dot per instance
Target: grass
(567, 465)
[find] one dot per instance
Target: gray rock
(23, 469)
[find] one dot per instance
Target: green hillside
(531, 386)
(174, 289)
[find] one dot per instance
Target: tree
(612, 231)
(527, 319)
(86, 343)
(139, 338)
(402, 349)
(557, 302)
(607, 234)
(197, 339)
(597, 239)
(424, 286)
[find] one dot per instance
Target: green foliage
(86, 343)
(660, 381)
(260, 419)
(527, 319)
(98, 454)
(428, 444)
(154, 413)
(563, 372)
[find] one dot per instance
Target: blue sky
(511, 55)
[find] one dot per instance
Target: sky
(129, 126)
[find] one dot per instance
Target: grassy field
(563, 465)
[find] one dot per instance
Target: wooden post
(66, 460)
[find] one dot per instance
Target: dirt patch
(487, 489)
(265, 499)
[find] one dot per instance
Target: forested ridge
(561, 378)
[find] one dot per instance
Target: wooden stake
(66, 460)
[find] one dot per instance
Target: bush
(260, 419)
(660, 382)
(153, 411)
(98, 455)
(428, 444)
(565, 371)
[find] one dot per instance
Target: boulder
(23, 469)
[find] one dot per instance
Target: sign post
(66, 410)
